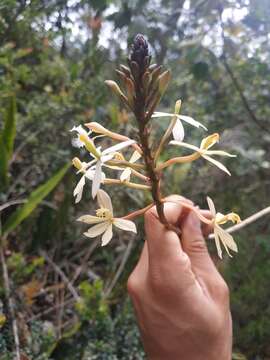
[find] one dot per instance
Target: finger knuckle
(197, 245)
(222, 290)
(133, 285)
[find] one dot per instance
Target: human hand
(180, 299)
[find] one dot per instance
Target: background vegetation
(54, 58)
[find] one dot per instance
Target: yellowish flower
(204, 151)
(104, 220)
(87, 173)
(125, 176)
(220, 234)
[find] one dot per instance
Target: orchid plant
(144, 84)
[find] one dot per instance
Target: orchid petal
(78, 191)
(220, 153)
(161, 114)
(185, 145)
(135, 156)
(105, 158)
(178, 131)
(104, 200)
(97, 230)
(211, 206)
(191, 121)
(90, 219)
(97, 179)
(126, 174)
(227, 239)
(107, 236)
(124, 224)
(80, 130)
(217, 242)
(185, 118)
(209, 141)
(118, 147)
(216, 163)
(89, 174)
(77, 143)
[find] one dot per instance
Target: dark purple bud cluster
(140, 52)
(144, 84)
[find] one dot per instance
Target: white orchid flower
(83, 168)
(125, 176)
(76, 142)
(178, 129)
(100, 156)
(220, 234)
(204, 151)
(101, 159)
(104, 220)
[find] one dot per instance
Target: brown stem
(144, 133)
(137, 213)
(152, 174)
(10, 302)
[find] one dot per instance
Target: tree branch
(236, 83)
(62, 275)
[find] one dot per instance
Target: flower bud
(177, 107)
(76, 162)
(140, 52)
(114, 86)
(116, 89)
(163, 81)
(97, 128)
(90, 146)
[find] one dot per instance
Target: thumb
(194, 244)
(163, 244)
(169, 265)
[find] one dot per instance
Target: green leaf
(7, 138)
(3, 164)
(200, 70)
(9, 131)
(34, 200)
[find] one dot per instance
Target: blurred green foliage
(54, 58)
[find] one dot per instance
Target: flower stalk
(147, 92)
